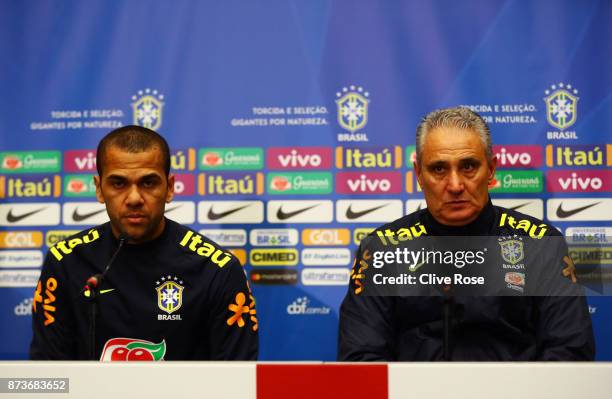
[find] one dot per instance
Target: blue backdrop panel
(289, 75)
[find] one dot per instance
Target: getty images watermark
(509, 265)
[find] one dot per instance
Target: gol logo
(326, 237)
(21, 239)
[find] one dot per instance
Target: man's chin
(459, 217)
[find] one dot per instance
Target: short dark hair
(133, 138)
(458, 117)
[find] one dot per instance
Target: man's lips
(135, 218)
(457, 203)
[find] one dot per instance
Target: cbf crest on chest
(169, 291)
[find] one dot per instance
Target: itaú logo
(578, 155)
(230, 183)
(370, 157)
(28, 187)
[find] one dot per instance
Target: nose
(134, 198)
(455, 183)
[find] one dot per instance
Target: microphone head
(94, 281)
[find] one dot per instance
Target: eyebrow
(148, 176)
(462, 161)
(470, 160)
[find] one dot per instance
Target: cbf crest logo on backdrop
(147, 108)
(512, 250)
(169, 297)
(561, 105)
(352, 108)
(561, 110)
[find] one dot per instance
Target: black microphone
(95, 281)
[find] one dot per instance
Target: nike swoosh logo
(286, 215)
(562, 213)
(12, 218)
(354, 215)
(171, 209)
(107, 291)
(79, 217)
(212, 215)
(514, 208)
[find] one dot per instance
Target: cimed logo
(169, 294)
(561, 105)
(352, 108)
(147, 108)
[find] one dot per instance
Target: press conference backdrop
(292, 131)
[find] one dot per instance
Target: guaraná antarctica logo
(147, 108)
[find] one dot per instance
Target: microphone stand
(93, 304)
(447, 305)
(91, 291)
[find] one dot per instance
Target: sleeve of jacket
(234, 326)
(53, 323)
(366, 328)
(564, 330)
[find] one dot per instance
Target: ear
(492, 166)
(99, 194)
(417, 171)
(170, 192)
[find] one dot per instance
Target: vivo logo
(368, 183)
(80, 161)
(579, 180)
(299, 158)
(184, 184)
(576, 182)
(521, 156)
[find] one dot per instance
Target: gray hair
(457, 117)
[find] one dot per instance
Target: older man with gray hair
(454, 167)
